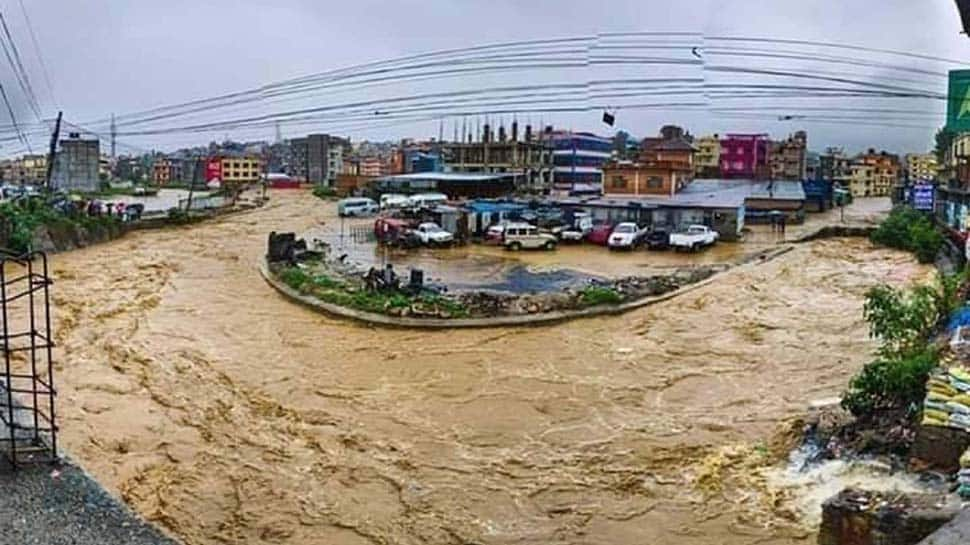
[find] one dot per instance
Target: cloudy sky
(126, 56)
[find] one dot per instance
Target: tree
(620, 141)
(944, 137)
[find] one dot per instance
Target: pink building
(745, 156)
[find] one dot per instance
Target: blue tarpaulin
(960, 317)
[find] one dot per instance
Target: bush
(294, 277)
(598, 295)
(890, 383)
(907, 229)
(324, 192)
(904, 321)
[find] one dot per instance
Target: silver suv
(523, 236)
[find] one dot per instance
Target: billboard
(922, 196)
(958, 101)
(213, 169)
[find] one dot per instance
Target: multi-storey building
(372, 166)
(528, 159)
(707, 159)
(787, 157)
(834, 166)
(26, 170)
(952, 204)
(578, 158)
(921, 166)
(78, 164)
(873, 174)
(166, 171)
(234, 170)
(745, 156)
(318, 158)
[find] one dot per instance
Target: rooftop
(469, 177)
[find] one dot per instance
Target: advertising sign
(213, 169)
(922, 196)
(958, 101)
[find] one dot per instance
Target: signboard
(958, 101)
(213, 169)
(922, 196)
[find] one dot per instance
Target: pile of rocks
(857, 517)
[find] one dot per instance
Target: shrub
(294, 277)
(324, 192)
(888, 383)
(907, 229)
(904, 322)
(598, 295)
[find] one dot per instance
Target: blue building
(424, 162)
(578, 159)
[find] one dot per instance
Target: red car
(600, 234)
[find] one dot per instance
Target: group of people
(386, 279)
(778, 223)
(127, 212)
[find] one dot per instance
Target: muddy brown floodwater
(227, 414)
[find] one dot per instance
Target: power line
(18, 67)
(40, 57)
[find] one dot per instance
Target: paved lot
(43, 507)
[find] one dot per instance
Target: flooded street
(227, 414)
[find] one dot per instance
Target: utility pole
(51, 154)
(114, 132)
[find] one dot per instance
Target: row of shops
(722, 205)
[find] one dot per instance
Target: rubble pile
(858, 517)
(963, 477)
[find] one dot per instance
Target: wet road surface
(227, 414)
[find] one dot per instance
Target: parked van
(394, 200)
(356, 206)
(427, 200)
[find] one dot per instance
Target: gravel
(64, 506)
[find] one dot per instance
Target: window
(740, 151)
(619, 182)
(655, 182)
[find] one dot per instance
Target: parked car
(657, 240)
(431, 234)
(693, 238)
(625, 236)
(427, 200)
(582, 224)
(494, 233)
(600, 234)
(523, 236)
(394, 200)
(356, 206)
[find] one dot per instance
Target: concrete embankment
(836, 231)
(542, 318)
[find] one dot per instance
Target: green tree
(944, 137)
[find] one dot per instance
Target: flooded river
(227, 414)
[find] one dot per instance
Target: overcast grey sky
(123, 56)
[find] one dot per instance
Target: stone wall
(69, 236)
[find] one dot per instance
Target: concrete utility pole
(52, 153)
(114, 133)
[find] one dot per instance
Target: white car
(524, 236)
(624, 237)
(431, 234)
(394, 200)
(693, 238)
